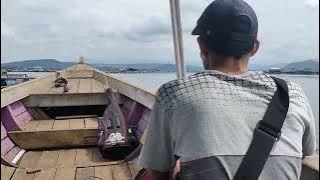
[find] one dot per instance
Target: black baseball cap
(229, 26)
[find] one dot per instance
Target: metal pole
(177, 38)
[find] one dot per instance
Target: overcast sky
(124, 31)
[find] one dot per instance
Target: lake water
(309, 83)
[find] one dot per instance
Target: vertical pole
(177, 38)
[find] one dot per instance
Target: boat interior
(49, 132)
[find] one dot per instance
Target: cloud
(312, 3)
(6, 30)
(116, 30)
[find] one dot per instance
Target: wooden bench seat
(54, 133)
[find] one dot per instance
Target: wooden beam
(56, 100)
(134, 92)
(79, 74)
(15, 93)
(55, 138)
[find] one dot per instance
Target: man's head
(227, 31)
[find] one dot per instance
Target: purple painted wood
(142, 125)
(6, 145)
(17, 108)
(3, 132)
(12, 153)
(8, 121)
(14, 116)
(146, 114)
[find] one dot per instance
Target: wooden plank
(21, 174)
(45, 125)
(83, 74)
(84, 156)
(67, 158)
(31, 126)
(85, 173)
(17, 92)
(37, 113)
(97, 157)
(7, 172)
(76, 116)
(84, 86)
(73, 85)
(30, 159)
(65, 173)
(77, 123)
(47, 174)
(58, 100)
(134, 92)
(97, 87)
(55, 138)
(48, 159)
(56, 90)
(311, 162)
(121, 172)
(91, 123)
(134, 168)
(103, 172)
(61, 124)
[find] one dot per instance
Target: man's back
(212, 115)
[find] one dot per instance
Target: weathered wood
(31, 126)
(45, 125)
(56, 90)
(58, 100)
(76, 116)
(134, 168)
(55, 138)
(84, 156)
(14, 93)
(311, 162)
(73, 85)
(67, 158)
(47, 174)
(91, 122)
(134, 92)
(85, 86)
(65, 173)
(103, 172)
(37, 113)
(77, 123)
(80, 74)
(48, 159)
(61, 124)
(21, 174)
(85, 173)
(121, 172)
(6, 172)
(30, 159)
(97, 86)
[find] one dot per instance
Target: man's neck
(234, 67)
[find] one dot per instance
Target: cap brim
(196, 31)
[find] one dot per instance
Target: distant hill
(44, 63)
(309, 65)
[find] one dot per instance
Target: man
(207, 120)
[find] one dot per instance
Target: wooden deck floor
(76, 123)
(79, 164)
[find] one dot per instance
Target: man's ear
(255, 48)
(202, 46)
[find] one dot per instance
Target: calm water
(309, 83)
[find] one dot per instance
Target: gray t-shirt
(211, 114)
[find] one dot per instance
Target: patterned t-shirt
(212, 114)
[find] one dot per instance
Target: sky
(123, 31)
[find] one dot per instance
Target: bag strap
(267, 132)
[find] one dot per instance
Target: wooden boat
(47, 133)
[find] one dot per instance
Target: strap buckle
(265, 128)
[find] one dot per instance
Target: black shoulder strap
(267, 132)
